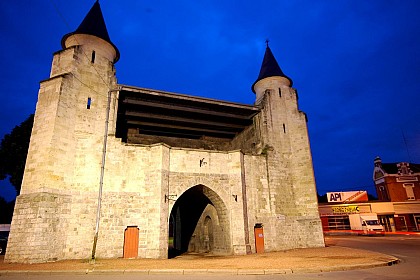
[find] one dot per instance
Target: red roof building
(397, 182)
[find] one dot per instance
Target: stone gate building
(181, 173)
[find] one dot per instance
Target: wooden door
(131, 242)
(259, 239)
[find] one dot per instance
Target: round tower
(271, 76)
(92, 32)
(63, 165)
(282, 129)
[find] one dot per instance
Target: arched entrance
(199, 223)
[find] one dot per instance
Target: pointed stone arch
(200, 223)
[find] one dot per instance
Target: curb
(236, 271)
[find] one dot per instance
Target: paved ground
(331, 258)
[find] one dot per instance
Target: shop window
(338, 222)
(400, 223)
(417, 221)
(387, 221)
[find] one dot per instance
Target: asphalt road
(406, 248)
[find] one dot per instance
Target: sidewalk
(312, 260)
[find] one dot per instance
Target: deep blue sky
(355, 64)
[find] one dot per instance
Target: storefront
(394, 216)
(407, 216)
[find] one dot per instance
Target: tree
(322, 198)
(6, 212)
(13, 152)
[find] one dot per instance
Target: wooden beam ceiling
(176, 115)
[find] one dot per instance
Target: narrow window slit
(284, 128)
(93, 57)
(280, 92)
(89, 102)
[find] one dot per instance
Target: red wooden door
(259, 239)
(131, 242)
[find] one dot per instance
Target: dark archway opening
(183, 219)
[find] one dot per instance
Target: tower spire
(93, 24)
(270, 67)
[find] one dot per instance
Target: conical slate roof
(270, 68)
(93, 24)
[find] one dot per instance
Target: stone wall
(38, 219)
(262, 176)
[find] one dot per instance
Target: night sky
(355, 65)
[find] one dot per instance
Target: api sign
(359, 196)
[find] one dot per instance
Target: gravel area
(311, 258)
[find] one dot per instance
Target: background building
(398, 206)
(397, 181)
